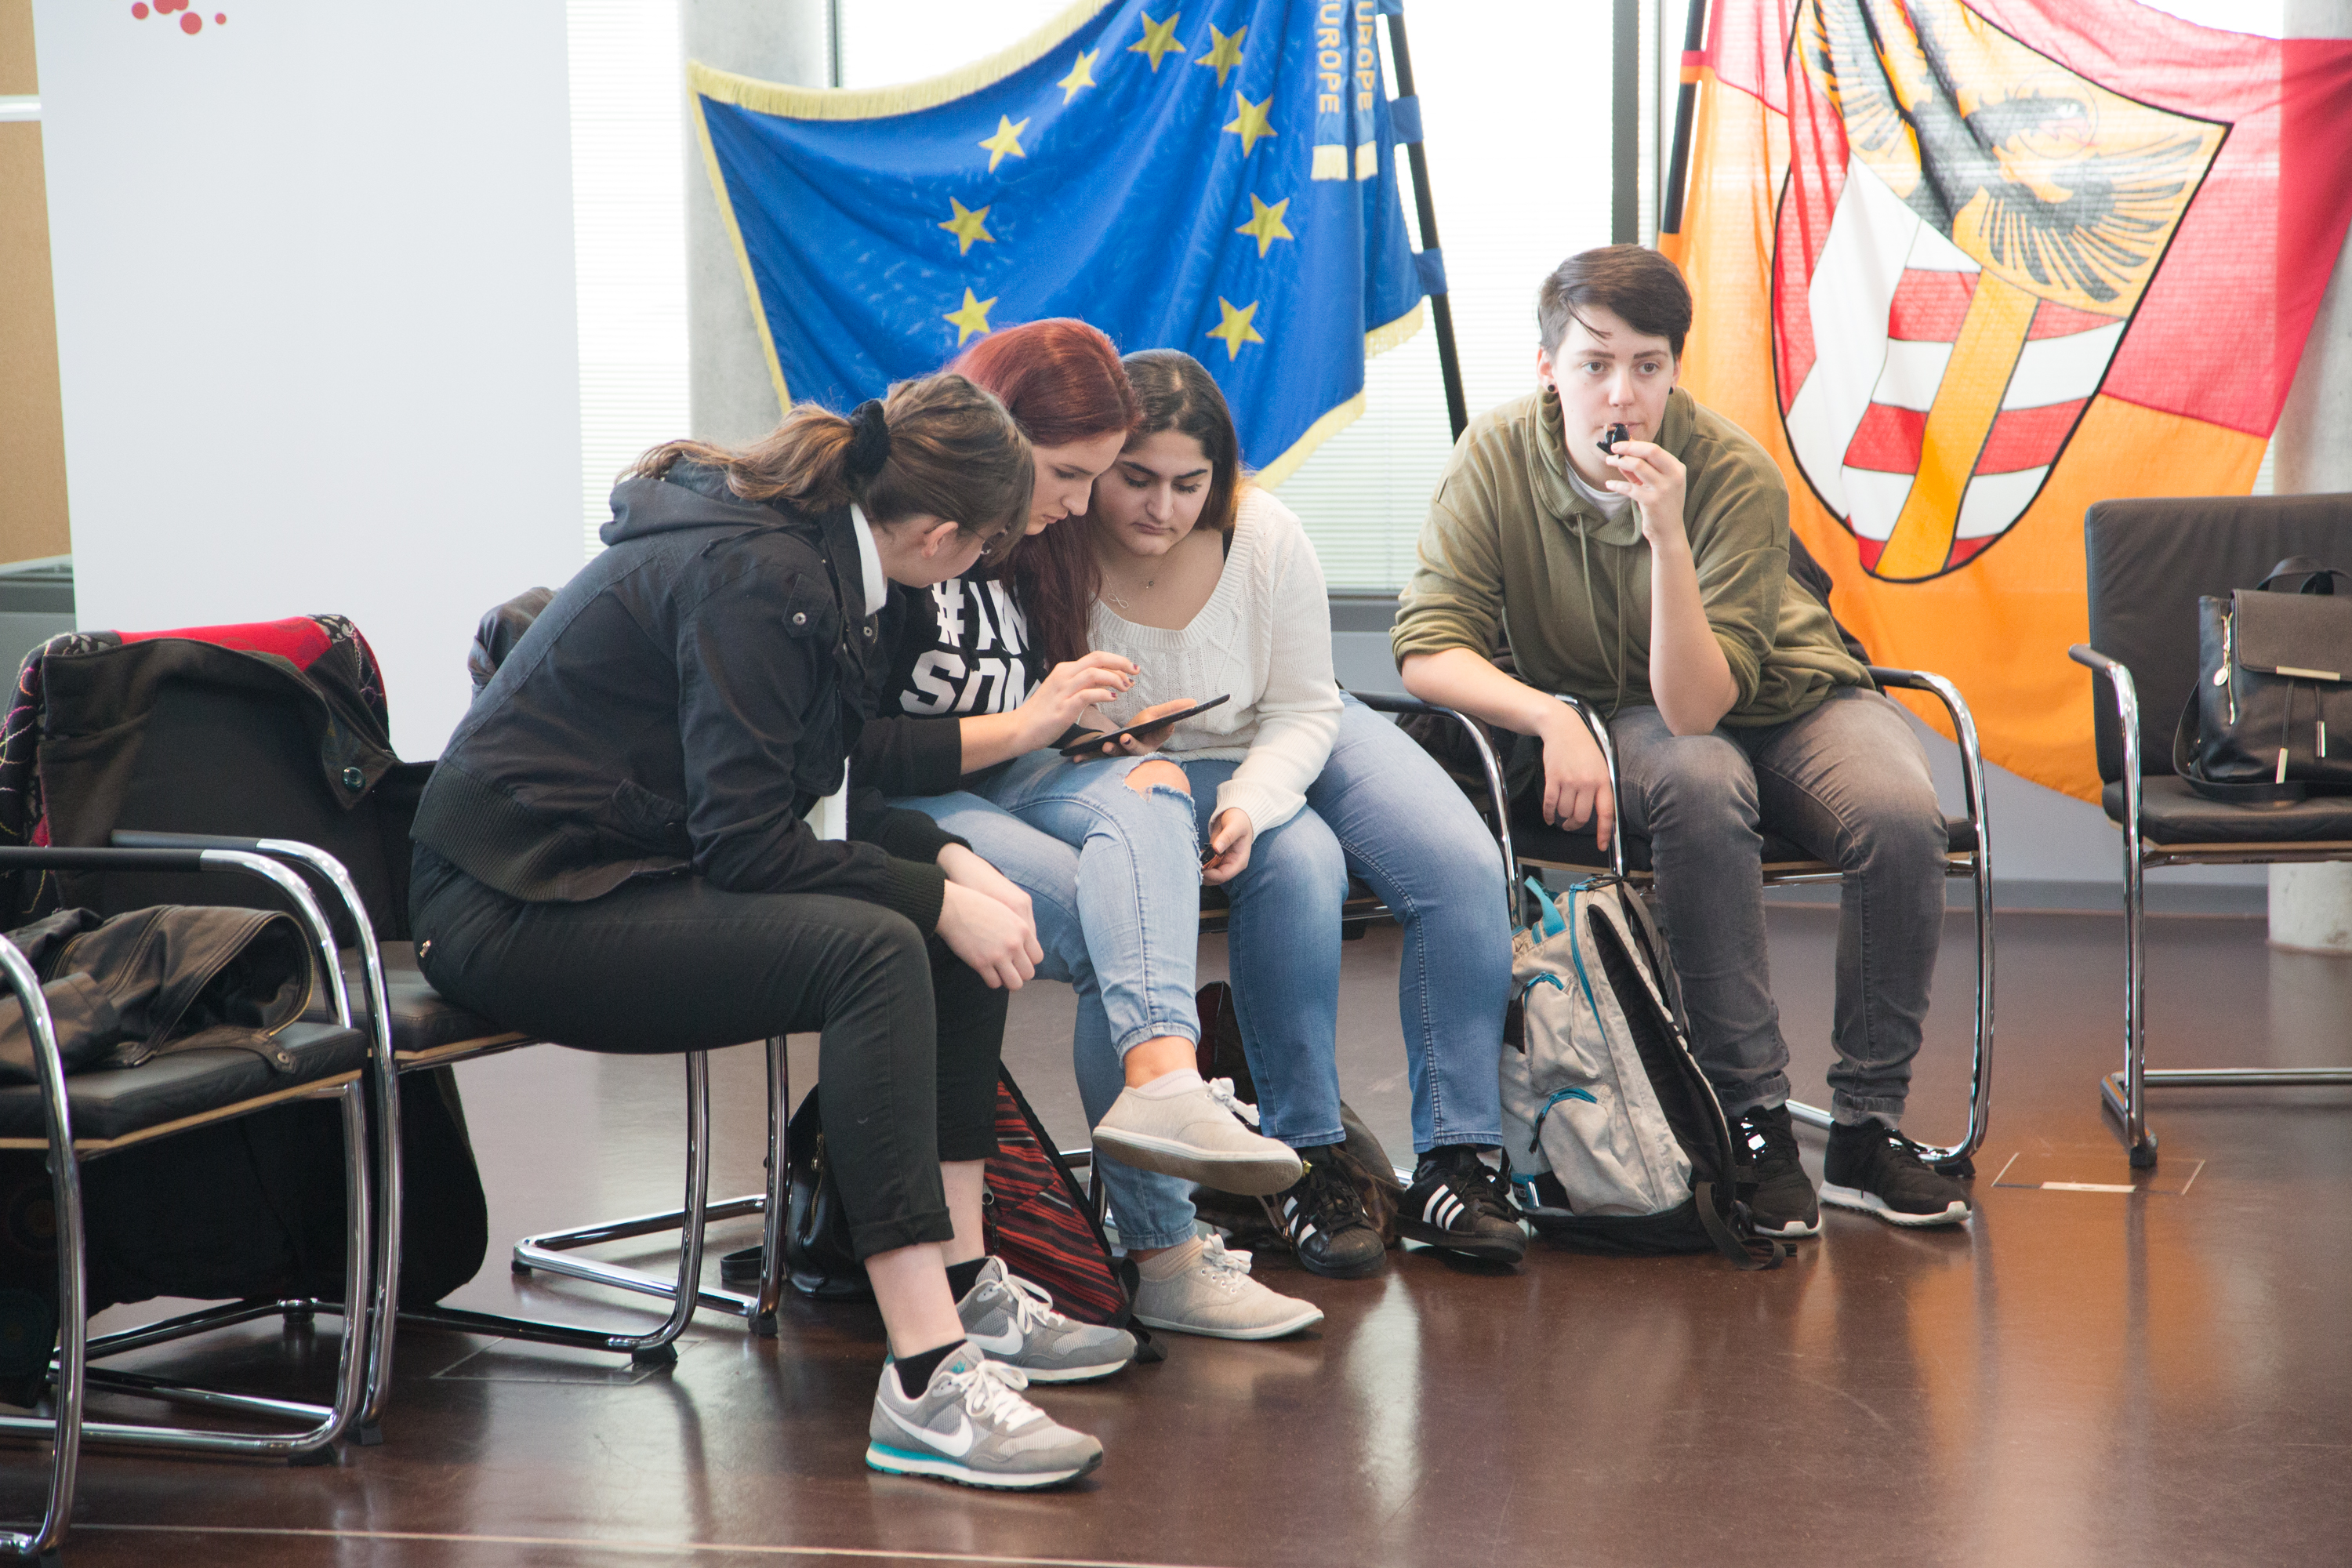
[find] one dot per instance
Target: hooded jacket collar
(694, 495)
(1557, 497)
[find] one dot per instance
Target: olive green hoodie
(1509, 542)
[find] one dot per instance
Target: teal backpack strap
(1549, 920)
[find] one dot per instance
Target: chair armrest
(1498, 796)
(1599, 729)
(1964, 731)
(2127, 693)
(243, 862)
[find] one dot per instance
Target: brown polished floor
(2080, 1377)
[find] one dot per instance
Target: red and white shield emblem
(1967, 230)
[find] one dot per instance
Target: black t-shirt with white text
(978, 659)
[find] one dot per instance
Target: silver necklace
(1120, 599)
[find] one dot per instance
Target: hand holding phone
(1092, 742)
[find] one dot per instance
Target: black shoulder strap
(2184, 763)
(1749, 1252)
(2310, 576)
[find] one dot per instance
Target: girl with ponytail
(612, 854)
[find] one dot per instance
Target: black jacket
(896, 754)
(681, 704)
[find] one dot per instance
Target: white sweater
(1264, 637)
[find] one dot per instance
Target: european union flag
(1220, 179)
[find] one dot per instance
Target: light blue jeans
(1117, 876)
(1101, 862)
(1382, 810)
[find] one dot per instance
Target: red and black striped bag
(1039, 1222)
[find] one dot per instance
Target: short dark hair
(1642, 287)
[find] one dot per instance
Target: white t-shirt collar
(1610, 504)
(877, 587)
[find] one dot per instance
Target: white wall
(316, 318)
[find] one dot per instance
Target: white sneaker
(1217, 1298)
(971, 1425)
(1200, 1134)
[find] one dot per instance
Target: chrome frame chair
(359, 1090)
(2146, 562)
(2124, 1094)
(652, 1349)
(1970, 856)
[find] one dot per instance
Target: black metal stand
(1441, 308)
(1670, 219)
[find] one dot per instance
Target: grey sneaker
(1217, 1298)
(1014, 1321)
(1202, 1135)
(971, 1425)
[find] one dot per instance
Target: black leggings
(909, 1035)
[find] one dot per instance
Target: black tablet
(1092, 742)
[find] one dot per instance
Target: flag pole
(1670, 220)
(1441, 308)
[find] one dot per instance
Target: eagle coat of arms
(1967, 230)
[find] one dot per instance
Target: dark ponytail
(938, 446)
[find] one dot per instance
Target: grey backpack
(1615, 1140)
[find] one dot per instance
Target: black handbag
(820, 1258)
(2270, 719)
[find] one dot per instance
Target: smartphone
(1092, 744)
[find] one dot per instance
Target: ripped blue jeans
(1114, 880)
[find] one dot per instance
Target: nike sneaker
(971, 1425)
(1015, 1325)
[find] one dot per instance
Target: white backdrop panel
(316, 318)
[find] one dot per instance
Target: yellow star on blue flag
(1171, 208)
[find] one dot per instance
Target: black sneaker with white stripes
(1456, 1202)
(1322, 1216)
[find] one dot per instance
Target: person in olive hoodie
(611, 852)
(1636, 546)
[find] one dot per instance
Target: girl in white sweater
(1211, 588)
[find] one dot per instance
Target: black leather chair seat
(2172, 813)
(115, 1103)
(1556, 846)
(422, 1018)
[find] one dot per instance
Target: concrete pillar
(731, 396)
(2311, 906)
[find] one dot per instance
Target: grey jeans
(1849, 784)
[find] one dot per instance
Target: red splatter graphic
(191, 23)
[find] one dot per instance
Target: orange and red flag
(1965, 267)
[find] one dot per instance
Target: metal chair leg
(779, 1169)
(655, 1349)
(73, 1316)
(2125, 1093)
(551, 1251)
